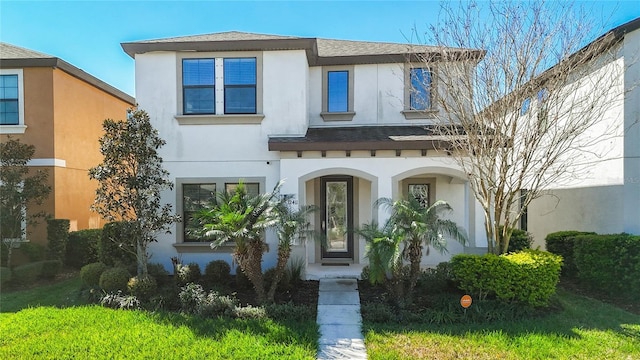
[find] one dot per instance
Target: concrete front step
(319, 271)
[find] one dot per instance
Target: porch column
(385, 190)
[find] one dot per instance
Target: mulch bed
(299, 293)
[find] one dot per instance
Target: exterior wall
(631, 198)
(64, 117)
(605, 198)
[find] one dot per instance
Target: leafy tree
(524, 111)
(242, 218)
(419, 225)
(131, 178)
(20, 188)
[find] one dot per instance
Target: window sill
(337, 116)
(202, 247)
(419, 114)
(235, 119)
(12, 129)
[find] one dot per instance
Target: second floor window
(240, 86)
(9, 104)
(198, 86)
(420, 96)
(337, 91)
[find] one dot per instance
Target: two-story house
(58, 108)
(343, 122)
(606, 198)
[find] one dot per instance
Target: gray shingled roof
(221, 36)
(319, 51)
(8, 51)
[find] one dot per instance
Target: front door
(337, 216)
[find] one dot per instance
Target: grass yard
(50, 322)
(585, 329)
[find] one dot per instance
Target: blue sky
(88, 34)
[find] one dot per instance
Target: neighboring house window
(9, 114)
(337, 93)
(198, 86)
(420, 95)
(11, 102)
(195, 197)
(240, 86)
(543, 109)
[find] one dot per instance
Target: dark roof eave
(239, 45)
(70, 69)
(276, 145)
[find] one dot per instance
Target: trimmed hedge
(34, 251)
(520, 240)
(27, 274)
(217, 272)
(82, 248)
(90, 273)
(115, 279)
(116, 244)
(609, 263)
(57, 238)
(562, 243)
(528, 276)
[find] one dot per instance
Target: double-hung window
(195, 197)
(240, 86)
(198, 86)
(420, 94)
(9, 100)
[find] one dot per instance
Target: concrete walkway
(340, 321)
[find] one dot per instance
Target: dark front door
(337, 216)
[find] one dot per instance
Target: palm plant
(418, 224)
(242, 218)
(290, 223)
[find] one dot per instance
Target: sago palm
(242, 218)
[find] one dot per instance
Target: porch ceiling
(363, 138)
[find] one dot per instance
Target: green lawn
(32, 328)
(585, 329)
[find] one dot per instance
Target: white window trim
(220, 118)
(411, 114)
(198, 247)
(337, 116)
(21, 127)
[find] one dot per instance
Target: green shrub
(114, 279)
(159, 273)
(529, 277)
(217, 272)
(142, 287)
(27, 274)
(57, 238)
(364, 275)
(51, 268)
(436, 280)
(90, 273)
(120, 301)
(82, 248)
(562, 243)
(33, 251)
(610, 263)
(117, 244)
(5, 275)
(187, 273)
(520, 240)
(295, 268)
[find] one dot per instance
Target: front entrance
(337, 217)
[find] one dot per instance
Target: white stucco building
(338, 120)
(606, 198)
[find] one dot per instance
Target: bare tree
(527, 115)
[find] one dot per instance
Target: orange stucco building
(59, 109)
